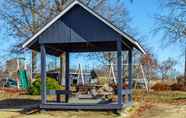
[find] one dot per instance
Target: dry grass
(162, 104)
(59, 114)
(12, 105)
(147, 106)
(159, 96)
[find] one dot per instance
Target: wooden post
(67, 83)
(120, 80)
(61, 71)
(63, 67)
(58, 96)
(43, 74)
(130, 74)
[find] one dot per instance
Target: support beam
(61, 70)
(58, 96)
(67, 82)
(130, 74)
(63, 67)
(120, 80)
(43, 74)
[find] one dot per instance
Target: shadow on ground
(21, 103)
(20, 107)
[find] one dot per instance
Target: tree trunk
(185, 70)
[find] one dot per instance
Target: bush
(160, 87)
(178, 87)
(180, 80)
(36, 85)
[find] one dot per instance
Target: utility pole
(185, 70)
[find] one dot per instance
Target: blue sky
(141, 13)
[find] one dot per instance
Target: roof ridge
(101, 18)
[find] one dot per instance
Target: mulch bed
(13, 91)
(161, 87)
(166, 87)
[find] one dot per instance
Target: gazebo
(79, 29)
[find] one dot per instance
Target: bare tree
(26, 17)
(166, 67)
(150, 65)
(173, 23)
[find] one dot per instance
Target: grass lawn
(166, 104)
(160, 96)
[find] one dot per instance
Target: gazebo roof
(76, 25)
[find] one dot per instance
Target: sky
(141, 12)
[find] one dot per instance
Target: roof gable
(78, 26)
(75, 3)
